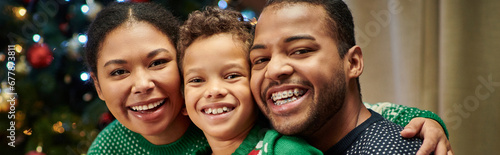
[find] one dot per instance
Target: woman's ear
(354, 58)
(97, 86)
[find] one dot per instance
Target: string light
(22, 11)
(18, 48)
(82, 38)
(36, 38)
(222, 4)
(85, 8)
(84, 76)
(247, 14)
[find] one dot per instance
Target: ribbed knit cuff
(431, 115)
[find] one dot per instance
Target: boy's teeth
(146, 107)
(217, 110)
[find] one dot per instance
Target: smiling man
(305, 70)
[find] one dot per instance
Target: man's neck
(352, 113)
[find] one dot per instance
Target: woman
(132, 57)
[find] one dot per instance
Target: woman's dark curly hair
(212, 21)
(116, 14)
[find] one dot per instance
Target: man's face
(297, 77)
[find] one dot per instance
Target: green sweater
(117, 139)
(402, 115)
(262, 141)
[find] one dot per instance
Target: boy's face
(217, 89)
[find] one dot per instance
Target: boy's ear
(97, 87)
(354, 58)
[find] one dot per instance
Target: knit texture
(376, 136)
(402, 115)
(117, 139)
(264, 141)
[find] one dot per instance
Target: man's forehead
(287, 21)
(292, 10)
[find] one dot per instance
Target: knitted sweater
(262, 140)
(117, 139)
(402, 115)
(376, 135)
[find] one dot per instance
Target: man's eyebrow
(258, 46)
(156, 52)
(299, 37)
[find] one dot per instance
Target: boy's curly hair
(212, 21)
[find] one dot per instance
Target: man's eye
(301, 51)
(157, 62)
(261, 60)
(118, 72)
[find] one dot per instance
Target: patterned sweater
(117, 139)
(264, 141)
(376, 135)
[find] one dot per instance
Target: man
(305, 69)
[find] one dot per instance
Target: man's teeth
(146, 107)
(286, 96)
(217, 110)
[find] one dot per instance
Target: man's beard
(329, 101)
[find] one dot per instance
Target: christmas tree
(47, 103)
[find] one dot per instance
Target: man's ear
(97, 86)
(354, 58)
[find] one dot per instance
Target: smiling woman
(131, 54)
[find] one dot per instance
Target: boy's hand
(431, 132)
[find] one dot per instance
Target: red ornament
(39, 55)
(35, 153)
(106, 118)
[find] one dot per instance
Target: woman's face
(138, 78)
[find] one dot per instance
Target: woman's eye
(157, 62)
(118, 72)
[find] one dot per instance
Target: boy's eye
(233, 76)
(118, 72)
(195, 80)
(157, 62)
